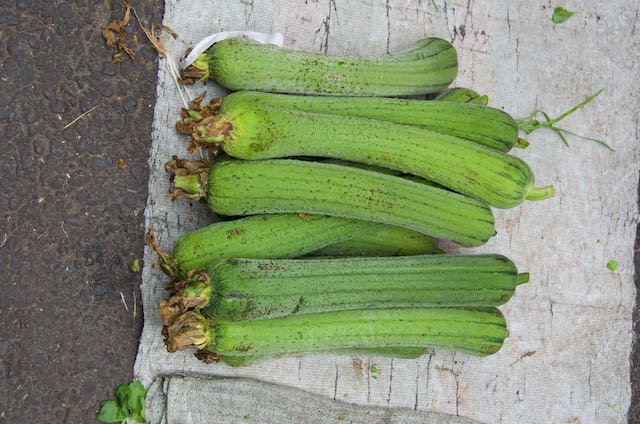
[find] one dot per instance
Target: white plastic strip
(275, 39)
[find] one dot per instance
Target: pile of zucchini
(339, 193)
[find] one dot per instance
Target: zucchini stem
(188, 178)
(522, 278)
(540, 193)
(188, 183)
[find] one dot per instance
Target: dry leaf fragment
(109, 37)
(116, 58)
(168, 30)
(127, 13)
(123, 45)
(115, 36)
(121, 164)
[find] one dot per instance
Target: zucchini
(280, 236)
(251, 130)
(427, 66)
(386, 241)
(478, 331)
(244, 289)
(234, 187)
(480, 124)
(462, 95)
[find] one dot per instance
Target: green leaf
(136, 400)
(612, 265)
(122, 395)
(110, 412)
(560, 14)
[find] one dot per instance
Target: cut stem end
(522, 278)
(540, 193)
(188, 183)
(521, 143)
(188, 178)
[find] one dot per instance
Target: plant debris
(80, 117)
(115, 36)
(135, 266)
(540, 119)
(560, 14)
(373, 371)
(121, 164)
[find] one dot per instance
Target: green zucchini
(235, 187)
(251, 130)
(244, 289)
(281, 236)
(387, 241)
(479, 331)
(480, 124)
(427, 66)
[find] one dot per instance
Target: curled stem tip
(187, 330)
(166, 264)
(540, 193)
(540, 119)
(521, 143)
(522, 278)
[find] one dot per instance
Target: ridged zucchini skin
(253, 131)
(294, 186)
(428, 66)
(279, 236)
(480, 124)
(475, 331)
(387, 241)
(394, 352)
(243, 289)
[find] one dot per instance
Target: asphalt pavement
(72, 218)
